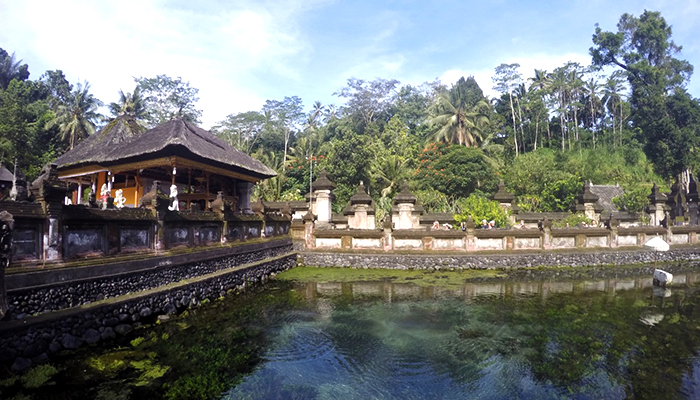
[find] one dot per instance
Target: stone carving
(105, 193)
(6, 226)
(119, 200)
(174, 206)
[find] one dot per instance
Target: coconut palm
(11, 68)
(457, 121)
(76, 119)
(331, 112)
(592, 92)
(612, 99)
(390, 171)
(130, 105)
(316, 114)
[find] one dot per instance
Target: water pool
(407, 337)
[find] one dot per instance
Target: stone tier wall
(473, 240)
(483, 261)
(32, 301)
(32, 341)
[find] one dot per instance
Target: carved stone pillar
(471, 235)
(406, 210)
(388, 239)
(506, 201)
(546, 227)
(243, 190)
(50, 192)
(613, 224)
(309, 229)
(657, 206)
(360, 211)
(6, 227)
(692, 199)
(323, 196)
(588, 203)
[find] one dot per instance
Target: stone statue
(104, 193)
(175, 206)
(119, 200)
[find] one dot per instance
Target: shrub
(479, 208)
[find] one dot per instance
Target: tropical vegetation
(624, 119)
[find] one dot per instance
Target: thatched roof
(6, 175)
(605, 195)
(120, 142)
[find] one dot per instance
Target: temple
(124, 157)
(126, 189)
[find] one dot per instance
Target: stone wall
(470, 240)
(483, 261)
(32, 341)
(36, 300)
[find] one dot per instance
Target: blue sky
(240, 53)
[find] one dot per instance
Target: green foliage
(168, 98)
(461, 114)
(434, 201)
(643, 48)
(634, 199)
(479, 208)
(561, 195)
(531, 172)
(38, 376)
(77, 118)
(572, 220)
(455, 170)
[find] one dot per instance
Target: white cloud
(219, 51)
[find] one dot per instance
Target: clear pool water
(615, 337)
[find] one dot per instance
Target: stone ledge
(72, 274)
(492, 260)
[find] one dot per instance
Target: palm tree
(390, 170)
(612, 99)
(592, 91)
(332, 112)
(316, 113)
(11, 68)
(457, 121)
(540, 85)
(269, 189)
(76, 119)
(130, 105)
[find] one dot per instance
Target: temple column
(6, 227)
(243, 190)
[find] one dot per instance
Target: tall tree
(11, 68)
(130, 105)
(642, 47)
(460, 113)
(506, 80)
(167, 98)
(241, 130)
(612, 100)
(76, 119)
(58, 87)
(367, 99)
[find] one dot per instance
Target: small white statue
(175, 206)
(119, 200)
(104, 193)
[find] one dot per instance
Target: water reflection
(595, 339)
(470, 291)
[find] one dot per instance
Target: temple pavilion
(124, 156)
